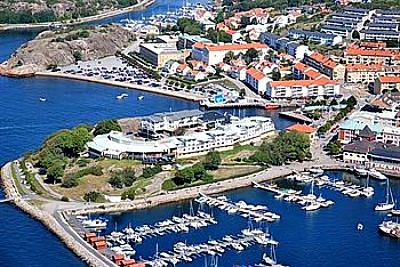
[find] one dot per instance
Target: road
(241, 85)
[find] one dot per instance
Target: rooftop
(160, 48)
(224, 47)
(389, 79)
(326, 61)
(301, 128)
(364, 67)
(291, 83)
(256, 74)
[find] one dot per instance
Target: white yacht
(97, 223)
(122, 96)
(389, 204)
(377, 175)
(312, 206)
(140, 97)
(43, 99)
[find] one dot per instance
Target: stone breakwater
(51, 223)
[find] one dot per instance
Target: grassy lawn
(140, 185)
(226, 173)
(107, 163)
(86, 184)
(16, 181)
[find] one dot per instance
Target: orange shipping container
(100, 245)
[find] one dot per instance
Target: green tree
(106, 126)
(93, 196)
(56, 171)
(213, 157)
(333, 102)
(77, 55)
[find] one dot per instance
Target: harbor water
(323, 238)
(326, 237)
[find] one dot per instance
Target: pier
(296, 116)
(250, 104)
(257, 213)
(183, 252)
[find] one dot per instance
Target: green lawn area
(16, 181)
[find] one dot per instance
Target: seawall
(92, 258)
(181, 95)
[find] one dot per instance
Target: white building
(302, 88)
(257, 80)
(297, 50)
(213, 54)
(225, 137)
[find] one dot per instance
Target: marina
(257, 213)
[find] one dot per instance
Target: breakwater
(181, 95)
(86, 253)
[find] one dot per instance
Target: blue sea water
(324, 238)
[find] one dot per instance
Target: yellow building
(160, 53)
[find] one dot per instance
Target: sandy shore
(108, 14)
(179, 94)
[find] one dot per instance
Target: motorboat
(360, 227)
(97, 223)
(140, 97)
(122, 96)
(361, 172)
(43, 99)
(390, 228)
(312, 206)
(389, 204)
(395, 212)
(377, 175)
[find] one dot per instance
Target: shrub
(150, 172)
(168, 185)
(65, 199)
(93, 196)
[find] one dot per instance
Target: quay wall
(51, 223)
(181, 95)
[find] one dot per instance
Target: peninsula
(39, 14)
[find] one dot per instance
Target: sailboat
(367, 191)
(271, 260)
(389, 204)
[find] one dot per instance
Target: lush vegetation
(191, 174)
(122, 178)
(286, 147)
(72, 179)
(218, 36)
(150, 172)
(334, 147)
(93, 196)
(60, 148)
(106, 126)
(11, 13)
(350, 103)
(212, 160)
(189, 26)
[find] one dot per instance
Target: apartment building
(325, 65)
(371, 56)
(213, 54)
(363, 73)
(386, 83)
(322, 38)
(160, 53)
(257, 80)
(302, 88)
(302, 71)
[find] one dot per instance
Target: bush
(70, 181)
(106, 126)
(168, 185)
(94, 197)
(65, 199)
(122, 178)
(150, 172)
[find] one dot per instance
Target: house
(302, 128)
(302, 88)
(357, 152)
(213, 54)
(183, 69)
(195, 75)
(386, 83)
(325, 65)
(239, 73)
(234, 35)
(257, 80)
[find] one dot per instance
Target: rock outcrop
(51, 49)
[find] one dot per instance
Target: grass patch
(238, 149)
(107, 163)
(226, 173)
(226, 83)
(16, 181)
(168, 185)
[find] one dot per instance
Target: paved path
(241, 85)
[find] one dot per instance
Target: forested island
(38, 11)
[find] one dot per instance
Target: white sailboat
(367, 191)
(389, 204)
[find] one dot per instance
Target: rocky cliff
(63, 48)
